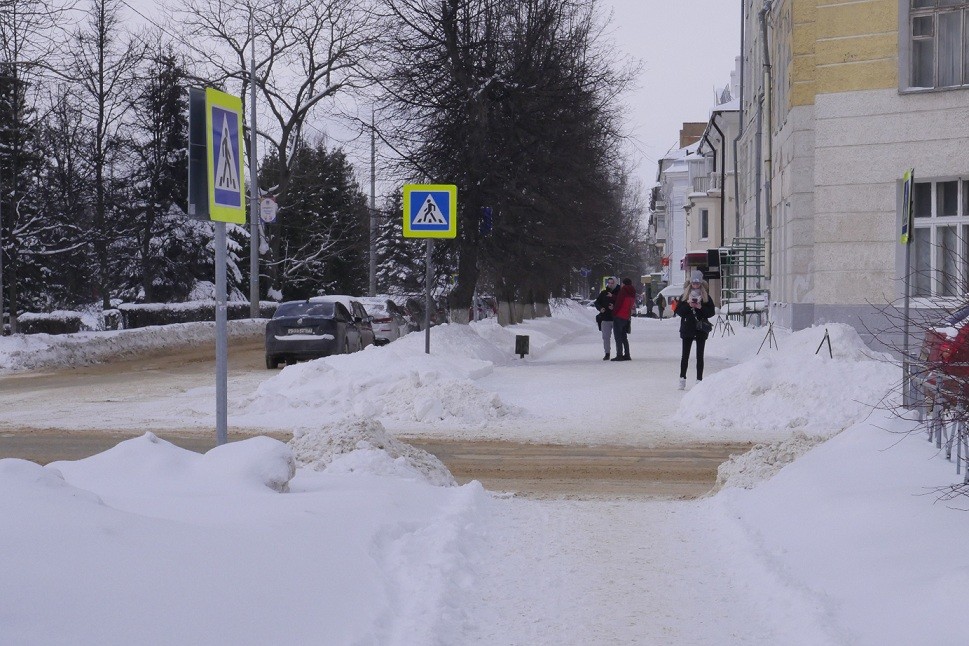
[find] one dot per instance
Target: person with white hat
(695, 308)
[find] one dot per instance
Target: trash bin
(521, 345)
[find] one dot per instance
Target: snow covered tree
(28, 38)
(322, 225)
(307, 51)
(103, 65)
(171, 254)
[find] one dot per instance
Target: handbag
(704, 326)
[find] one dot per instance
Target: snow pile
(401, 383)
(762, 461)
(160, 467)
(45, 351)
(792, 389)
(854, 528)
(151, 544)
(363, 445)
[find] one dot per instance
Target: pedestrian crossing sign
(223, 133)
(430, 211)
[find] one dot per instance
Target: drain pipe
(768, 81)
(740, 124)
(723, 174)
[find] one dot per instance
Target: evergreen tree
(322, 226)
(170, 251)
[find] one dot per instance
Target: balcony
(701, 184)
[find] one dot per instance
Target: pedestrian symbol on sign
(429, 213)
(227, 177)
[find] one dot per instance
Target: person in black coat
(604, 305)
(695, 307)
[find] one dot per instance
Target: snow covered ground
(827, 533)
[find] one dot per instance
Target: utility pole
(373, 204)
(253, 181)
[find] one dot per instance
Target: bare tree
(28, 37)
(103, 63)
(305, 52)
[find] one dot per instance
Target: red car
(944, 359)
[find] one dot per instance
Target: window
(938, 43)
(704, 224)
(940, 250)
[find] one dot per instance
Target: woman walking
(695, 308)
(621, 313)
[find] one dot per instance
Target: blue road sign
(430, 211)
(224, 141)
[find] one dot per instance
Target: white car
(669, 292)
(388, 322)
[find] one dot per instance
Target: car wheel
(290, 361)
(271, 362)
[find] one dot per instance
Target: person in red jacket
(621, 313)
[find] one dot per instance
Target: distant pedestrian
(621, 314)
(660, 304)
(695, 308)
(604, 304)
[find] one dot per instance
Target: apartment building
(845, 97)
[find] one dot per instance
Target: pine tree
(322, 226)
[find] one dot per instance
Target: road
(60, 415)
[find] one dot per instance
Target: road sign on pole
(215, 190)
(430, 211)
(223, 138)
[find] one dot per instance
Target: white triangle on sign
(227, 174)
(429, 213)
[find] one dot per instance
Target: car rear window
(957, 317)
(324, 310)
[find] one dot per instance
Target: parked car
(389, 321)
(316, 327)
(414, 306)
(944, 357)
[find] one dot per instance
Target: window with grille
(940, 251)
(939, 43)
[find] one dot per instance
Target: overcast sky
(687, 48)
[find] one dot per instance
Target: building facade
(845, 97)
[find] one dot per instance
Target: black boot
(606, 358)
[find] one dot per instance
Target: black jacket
(605, 299)
(689, 317)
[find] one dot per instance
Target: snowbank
(792, 389)
(45, 351)
(853, 526)
(148, 543)
(154, 466)
(402, 384)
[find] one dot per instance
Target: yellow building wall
(842, 46)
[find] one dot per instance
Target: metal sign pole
(221, 338)
(427, 297)
(253, 182)
(908, 235)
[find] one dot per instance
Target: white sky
(687, 48)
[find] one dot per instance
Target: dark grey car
(302, 330)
